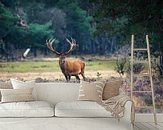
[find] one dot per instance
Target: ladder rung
(142, 91)
(144, 107)
(139, 61)
(140, 49)
(142, 75)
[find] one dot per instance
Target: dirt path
(54, 75)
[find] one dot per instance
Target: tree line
(99, 27)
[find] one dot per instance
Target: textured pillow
(16, 95)
(17, 84)
(91, 91)
(111, 89)
(5, 85)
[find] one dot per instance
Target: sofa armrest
(127, 112)
(129, 109)
(128, 117)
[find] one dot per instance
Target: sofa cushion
(91, 91)
(111, 89)
(80, 109)
(26, 109)
(16, 95)
(18, 84)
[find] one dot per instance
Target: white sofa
(57, 105)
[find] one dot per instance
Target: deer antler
(72, 45)
(49, 45)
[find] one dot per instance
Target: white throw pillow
(17, 84)
(16, 95)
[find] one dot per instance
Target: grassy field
(48, 66)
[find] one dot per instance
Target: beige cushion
(16, 95)
(18, 84)
(111, 89)
(91, 91)
(5, 85)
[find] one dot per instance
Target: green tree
(7, 20)
(130, 17)
(78, 23)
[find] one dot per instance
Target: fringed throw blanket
(116, 105)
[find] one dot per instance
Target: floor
(74, 124)
(148, 126)
(63, 124)
(146, 122)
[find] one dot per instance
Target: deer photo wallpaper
(73, 40)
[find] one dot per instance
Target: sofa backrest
(57, 92)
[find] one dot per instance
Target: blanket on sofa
(116, 105)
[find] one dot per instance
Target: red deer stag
(69, 67)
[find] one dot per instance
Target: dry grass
(53, 76)
(48, 69)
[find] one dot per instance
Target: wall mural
(99, 48)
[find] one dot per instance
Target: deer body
(72, 68)
(69, 67)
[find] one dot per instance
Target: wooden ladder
(149, 74)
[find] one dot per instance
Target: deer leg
(77, 77)
(69, 77)
(82, 73)
(66, 76)
(84, 78)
